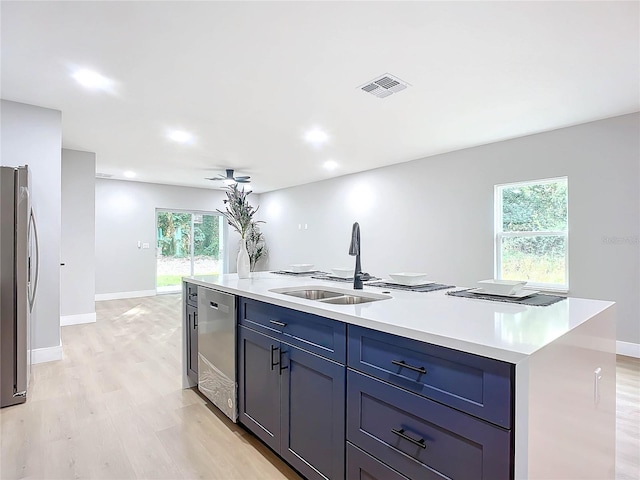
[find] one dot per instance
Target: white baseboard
(627, 348)
(77, 319)
(47, 354)
(120, 295)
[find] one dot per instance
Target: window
(188, 243)
(531, 220)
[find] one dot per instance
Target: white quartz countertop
(504, 331)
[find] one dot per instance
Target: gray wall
(33, 136)
(125, 214)
(435, 215)
(78, 251)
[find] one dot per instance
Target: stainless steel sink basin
(334, 296)
(313, 294)
(351, 300)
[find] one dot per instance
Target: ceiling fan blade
(242, 178)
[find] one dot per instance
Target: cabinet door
(192, 341)
(313, 414)
(259, 385)
(362, 466)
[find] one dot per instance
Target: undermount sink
(351, 300)
(334, 296)
(312, 294)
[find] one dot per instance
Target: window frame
(499, 234)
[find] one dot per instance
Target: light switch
(139, 243)
(145, 245)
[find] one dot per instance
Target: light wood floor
(114, 408)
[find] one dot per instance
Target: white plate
(300, 267)
(409, 278)
(499, 287)
(520, 294)
(343, 272)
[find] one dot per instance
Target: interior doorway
(188, 243)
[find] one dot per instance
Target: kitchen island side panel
(566, 405)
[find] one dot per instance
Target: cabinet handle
(195, 319)
(282, 367)
(401, 434)
(401, 363)
(597, 376)
(280, 324)
(273, 349)
(213, 305)
(192, 296)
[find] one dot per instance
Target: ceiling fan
(229, 178)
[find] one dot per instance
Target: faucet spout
(354, 250)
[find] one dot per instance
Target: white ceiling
(249, 78)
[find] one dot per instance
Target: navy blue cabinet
(477, 385)
(362, 466)
(399, 409)
(312, 333)
(313, 414)
(294, 401)
(421, 438)
(190, 301)
(425, 411)
(192, 342)
(259, 385)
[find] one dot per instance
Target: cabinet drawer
(421, 438)
(191, 294)
(476, 385)
(362, 466)
(315, 334)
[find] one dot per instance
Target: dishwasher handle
(219, 306)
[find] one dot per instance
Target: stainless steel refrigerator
(18, 283)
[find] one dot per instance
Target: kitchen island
(537, 383)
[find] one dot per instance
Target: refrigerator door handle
(34, 288)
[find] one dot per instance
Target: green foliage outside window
(534, 222)
(174, 234)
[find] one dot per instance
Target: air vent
(384, 86)
(104, 175)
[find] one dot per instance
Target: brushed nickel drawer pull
(280, 324)
(401, 363)
(420, 443)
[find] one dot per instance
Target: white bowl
(343, 272)
(409, 278)
(301, 267)
(501, 287)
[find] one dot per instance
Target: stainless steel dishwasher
(217, 349)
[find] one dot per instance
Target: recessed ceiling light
(330, 165)
(92, 80)
(129, 174)
(181, 136)
(316, 137)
